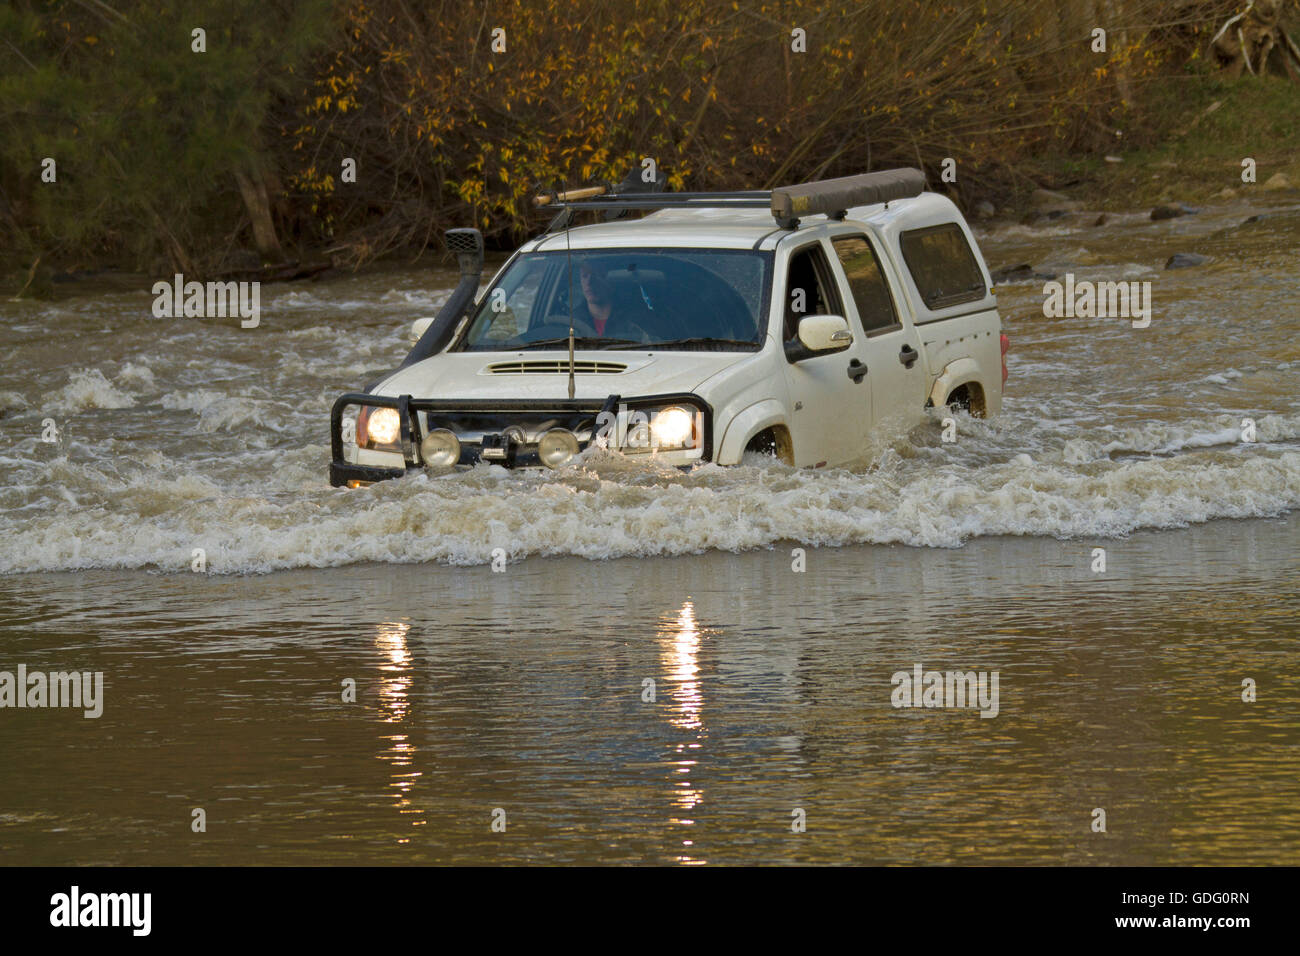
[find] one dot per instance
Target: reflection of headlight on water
(390, 637)
(390, 641)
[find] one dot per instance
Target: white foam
(11, 402)
(88, 388)
(1222, 378)
(136, 376)
(613, 508)
(221, 412)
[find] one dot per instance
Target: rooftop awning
(831, 196)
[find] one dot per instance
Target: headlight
(378, 426)
(673, 428)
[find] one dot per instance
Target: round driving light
(440, 448)
(556, 447)
(384, 425)
(673, 428)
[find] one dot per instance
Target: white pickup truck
(792, 322)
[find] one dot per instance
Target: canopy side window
(942, 265)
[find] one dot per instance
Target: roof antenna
(569, 252)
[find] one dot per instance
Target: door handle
(856, 371)
(908, 356)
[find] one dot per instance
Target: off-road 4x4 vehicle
(792, 321)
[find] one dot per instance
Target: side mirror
(819, 335)
(419, 326)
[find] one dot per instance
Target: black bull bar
(503, 412)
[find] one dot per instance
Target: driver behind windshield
(597, 314)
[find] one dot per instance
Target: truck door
(830, 397)
(897, 373)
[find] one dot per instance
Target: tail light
(1006, 344)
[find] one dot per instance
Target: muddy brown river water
(649, 679)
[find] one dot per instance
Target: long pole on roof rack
(657, 199)
(547, 199)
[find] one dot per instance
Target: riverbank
(352, 132)
(1197, 129)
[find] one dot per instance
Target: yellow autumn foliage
(466, 110)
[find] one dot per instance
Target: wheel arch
(748, 424)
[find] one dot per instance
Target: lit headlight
(382, 426)
(673, 428)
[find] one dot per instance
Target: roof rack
(832, 197)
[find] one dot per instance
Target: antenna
(569, 252)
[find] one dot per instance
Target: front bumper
(489, 421)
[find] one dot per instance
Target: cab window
(809, 288)
(867, 283)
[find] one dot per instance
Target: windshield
(626, 298)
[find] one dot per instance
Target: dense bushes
(167, 157)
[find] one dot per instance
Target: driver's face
(595, 288)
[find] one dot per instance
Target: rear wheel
(969, 399)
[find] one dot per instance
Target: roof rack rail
(831, 197)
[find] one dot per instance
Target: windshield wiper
(579, 341)
(703, 340)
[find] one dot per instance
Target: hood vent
(553, 367)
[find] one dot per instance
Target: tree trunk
(252, 187)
